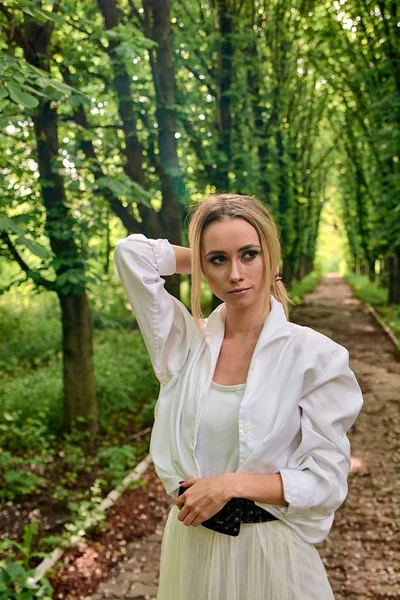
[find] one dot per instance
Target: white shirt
(217, 449)
(300, 398)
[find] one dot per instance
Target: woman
(252, 414)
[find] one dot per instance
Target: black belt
(236, 511)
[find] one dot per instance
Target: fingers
(188, 513)
(187, 516)
(180, 501)
(193, 511)
(197, 522)
(186, 484)
(189, 482)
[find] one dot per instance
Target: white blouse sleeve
(315, 480)
(165, 323)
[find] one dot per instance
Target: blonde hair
(220, 207)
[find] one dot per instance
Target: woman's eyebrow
(247, 247)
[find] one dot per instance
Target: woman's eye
(215, 260)
(247, 256)
(250, 254)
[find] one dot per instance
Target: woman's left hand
(203, 498)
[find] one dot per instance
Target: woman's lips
(240, 292)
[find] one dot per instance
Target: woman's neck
(241, 324)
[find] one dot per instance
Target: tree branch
(34, 275)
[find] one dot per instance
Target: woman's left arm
(315, 479)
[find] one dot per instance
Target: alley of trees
(117, 114)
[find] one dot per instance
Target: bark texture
(78, 362)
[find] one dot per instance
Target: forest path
(362, 551)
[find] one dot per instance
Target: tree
(33, 36)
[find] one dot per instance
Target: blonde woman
(251, 422)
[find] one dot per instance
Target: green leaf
(16, 571)
(6, 223)
(20, 97)
(115, 186)
(36, 249)
(30, 530)
(42, 82)
(50, 16)
(3, 91)
(60, 87)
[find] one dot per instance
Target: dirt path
(362, 552)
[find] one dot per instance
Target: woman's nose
(235, 274)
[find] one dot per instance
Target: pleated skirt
(266, 561)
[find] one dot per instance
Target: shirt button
(246, 429)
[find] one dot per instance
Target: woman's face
(232, 259)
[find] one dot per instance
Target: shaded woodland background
(115, 117)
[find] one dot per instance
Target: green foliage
(23, 549)
(391, 316)
(18, 583)
(31, 407)
(118, 461)
(30, 338)
(366, 290)
(146, 414)
(31, 404)
(25, 84)
(124, 376)
(110, 309)
(87, 517)
(17, 474)
(122, 185)
(298, 289)
(19, 484)
(16, 577)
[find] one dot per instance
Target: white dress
(266, 561)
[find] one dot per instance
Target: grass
(370, 293)
(366, 290)
(299, 289)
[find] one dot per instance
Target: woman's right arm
(165, 323)
(183, 259)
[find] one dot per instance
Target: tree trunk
(108, 248)
(394, 277)
(288, 271)
(371, 270)
(151, 224)
(285, 196)
(78, 363)
(383, 273)
(158, 28)
(224, 30)
(133, 151)
(308, 265)
(254, 75)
